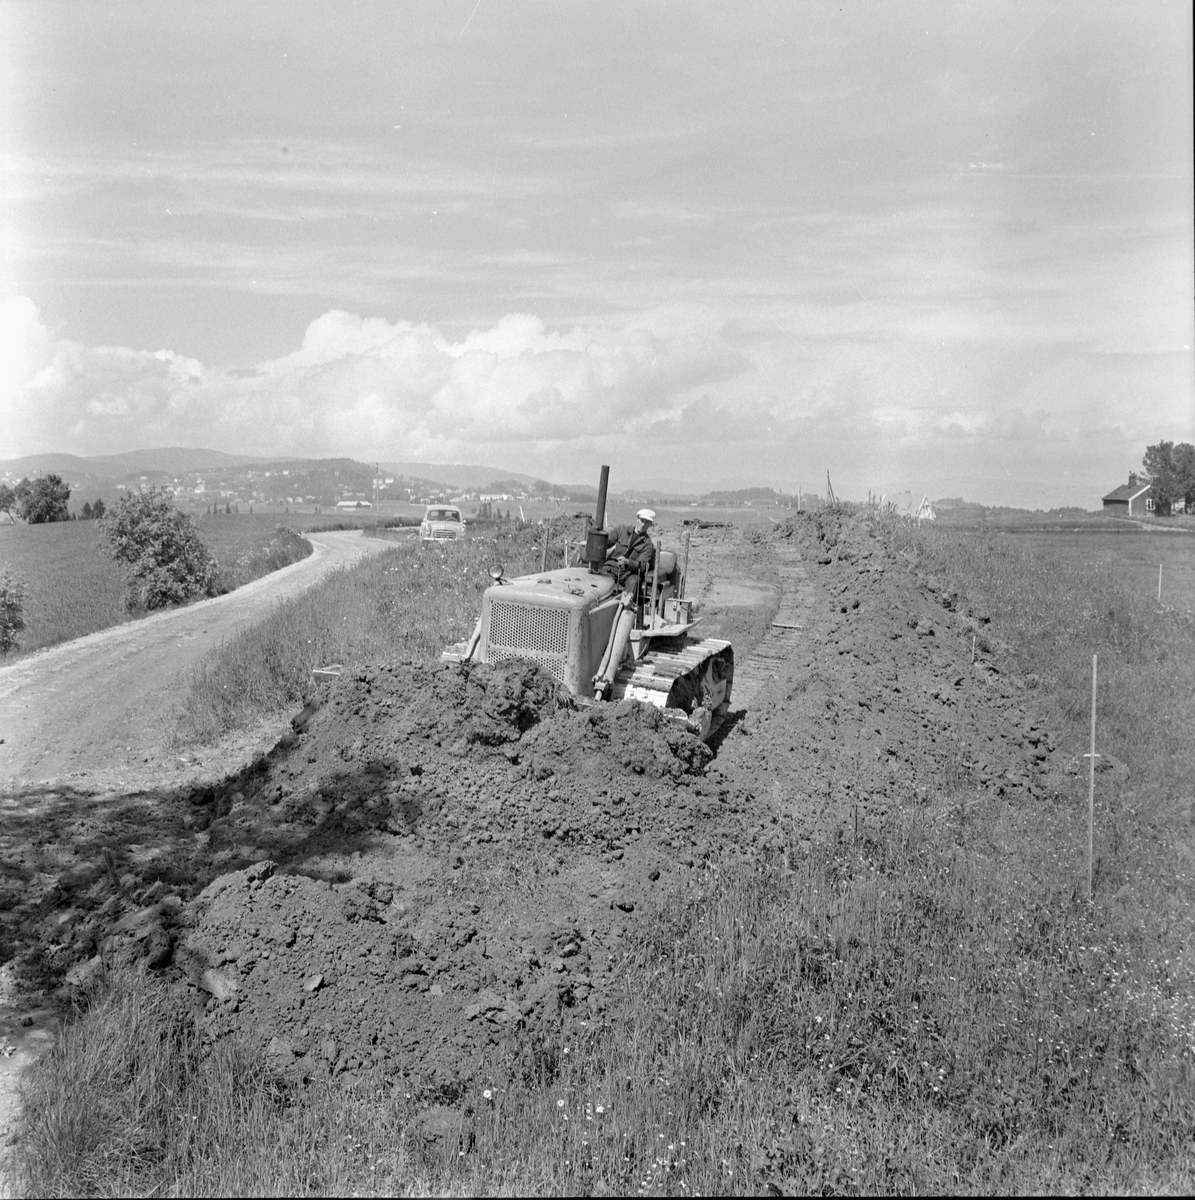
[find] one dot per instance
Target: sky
(937, 246)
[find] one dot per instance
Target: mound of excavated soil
(433, 875)
(482, 846)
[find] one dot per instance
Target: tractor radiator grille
(539, 630)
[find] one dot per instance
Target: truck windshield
(443, 514)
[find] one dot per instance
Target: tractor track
(784, 634)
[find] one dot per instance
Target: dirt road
(100, 705)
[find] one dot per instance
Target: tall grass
(248, 548)
(131, 1102)
(408, 602)
(72, 587)
(1057, 613)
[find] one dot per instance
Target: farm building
(1132, 499)
(353, 504)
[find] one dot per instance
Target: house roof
(1128, 491)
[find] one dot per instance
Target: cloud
(672, 393)
(356, 385)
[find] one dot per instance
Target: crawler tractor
(600, 643)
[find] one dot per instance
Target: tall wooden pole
(1091, 790)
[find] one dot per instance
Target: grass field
(1132, 557)
(71, 586)
(1130, 551)
(74, 588)
(989, 1029)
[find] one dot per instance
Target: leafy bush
(12, 602)
(169, 561)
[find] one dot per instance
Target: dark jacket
(637, 547)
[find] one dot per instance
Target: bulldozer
(604, 643)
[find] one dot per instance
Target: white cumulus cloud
(356, 385)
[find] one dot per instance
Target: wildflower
(559, 1103)
(600, 1109)
(488, 1094)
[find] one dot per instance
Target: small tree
(44, 499)
(1184, 465)
(1171, 471)
(98, 509)
(85, 514)
(12, 604)
(8, 498)
(169, 561)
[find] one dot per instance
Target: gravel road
(101, 704)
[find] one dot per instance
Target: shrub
(12, 602)
(169, 560)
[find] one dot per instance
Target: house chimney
(1132, 479)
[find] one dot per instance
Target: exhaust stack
(597, 539)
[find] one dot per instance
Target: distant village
(347, 484)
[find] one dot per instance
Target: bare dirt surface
(431, 876)
(98, 708)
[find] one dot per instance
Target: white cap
(646, 514)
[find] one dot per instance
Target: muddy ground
(434, 872)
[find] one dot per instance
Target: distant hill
(108, 468)
(457, 475)
(174, 460)
(55, 464)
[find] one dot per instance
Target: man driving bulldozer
(631, 552)
(628, 559)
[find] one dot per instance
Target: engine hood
(571, 587)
